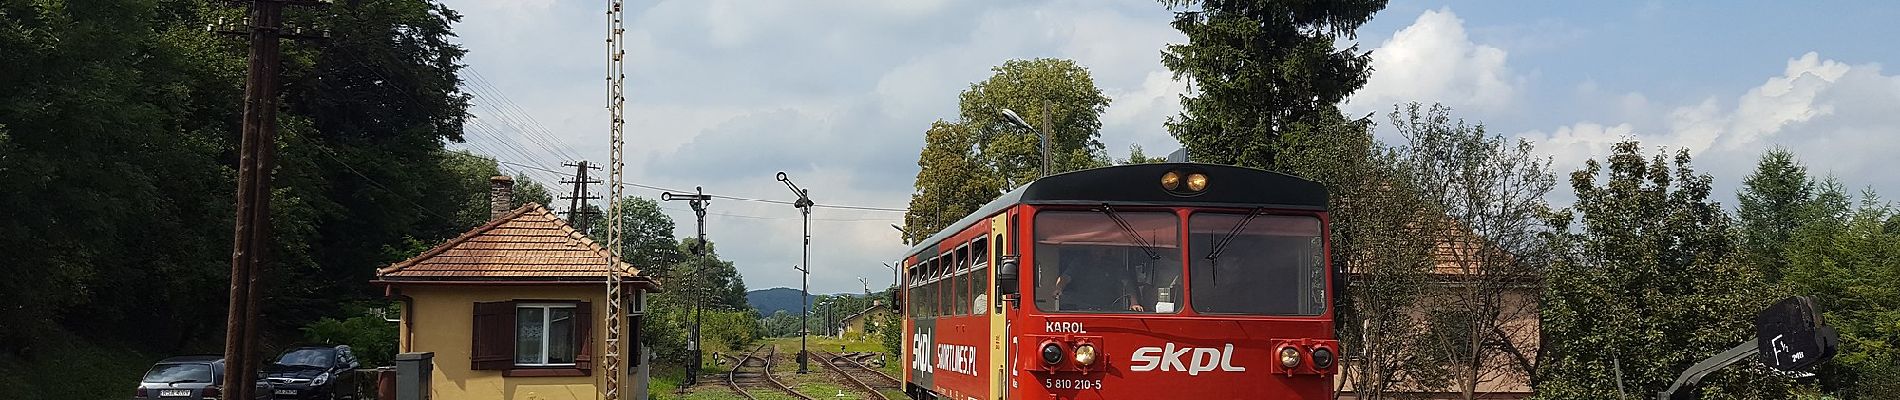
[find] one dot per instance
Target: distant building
(515, 308)
(1517, 319)
(876, 315)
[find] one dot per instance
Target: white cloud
(1435, 61)
(1571, 145)
(721, 94)
(1837, 118)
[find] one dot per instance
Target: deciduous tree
(1647, 284)
(952, 180)
(1485, 195)
(1060, 87)
(1381, 255)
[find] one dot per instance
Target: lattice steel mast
(616, 104)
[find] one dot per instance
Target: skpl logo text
(1196, 361)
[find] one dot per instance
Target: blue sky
(722, 94)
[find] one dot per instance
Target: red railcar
(1149, 281)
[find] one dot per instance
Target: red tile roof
(529, 243)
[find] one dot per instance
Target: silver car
(188, 378)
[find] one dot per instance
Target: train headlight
(1171, 180)
(1289, 357)
(1322, 358)
(1196, 182)
(1085, 354)
(1051, 353)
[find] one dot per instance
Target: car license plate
(174, 393)
(290, 392)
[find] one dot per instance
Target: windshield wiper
(1213, 254)
(1130, 231)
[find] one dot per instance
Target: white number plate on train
(1082, 384)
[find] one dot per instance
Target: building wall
(856, 325)
(443, 321)
(1500, 379)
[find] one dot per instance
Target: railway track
(863, 377)
(740, 379)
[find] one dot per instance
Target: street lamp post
(698, 200)
(1042, 133)
(804, 208)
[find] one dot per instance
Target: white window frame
(547, 322)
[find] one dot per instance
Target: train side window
(980, 252)
(968, 285)
(979, 290)
(963, 281)
(922, 301)
(930, 288)
(960, 287)
(916, 294)
(936, 288)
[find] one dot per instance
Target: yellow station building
(516, 309)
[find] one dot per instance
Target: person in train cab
(1097, 280)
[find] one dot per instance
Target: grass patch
(71, 368)
(827, 390)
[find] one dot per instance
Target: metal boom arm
(1695, 373)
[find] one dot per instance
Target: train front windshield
(1264, 265)
(1109, 261)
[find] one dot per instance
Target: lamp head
(1016, 119)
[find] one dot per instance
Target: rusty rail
(839, 363)
(775, 382)
(732, 377)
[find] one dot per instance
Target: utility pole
(576, 215)
(804, 284)
(256, 148)
(698, 200)
(616, 318)
(1046, 124)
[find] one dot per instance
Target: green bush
(371, 338)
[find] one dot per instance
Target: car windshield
(320, 358)
(1107, 261)
(1268, 265)
(179, 373)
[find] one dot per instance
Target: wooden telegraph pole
(252, 234)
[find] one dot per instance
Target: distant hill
(769, 301)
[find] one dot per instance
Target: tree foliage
(647, 240)
(966, 163)
(951, 180)
(1485, 196)
(1380, 253)
(1060, 87)
(1846, 255)
(1770, 207)
(1263, 69)
(121, 124)
(1648, 282)
(1137, 156)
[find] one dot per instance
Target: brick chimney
(501, 196)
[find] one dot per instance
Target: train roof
(1139, 184)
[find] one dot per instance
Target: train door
(1000, 356)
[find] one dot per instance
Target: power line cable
(332, 156)
(728, 197)
(523, 117)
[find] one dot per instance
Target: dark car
(313, 372)
(187, 378)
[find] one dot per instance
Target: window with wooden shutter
(492, 344)
(583, 336)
